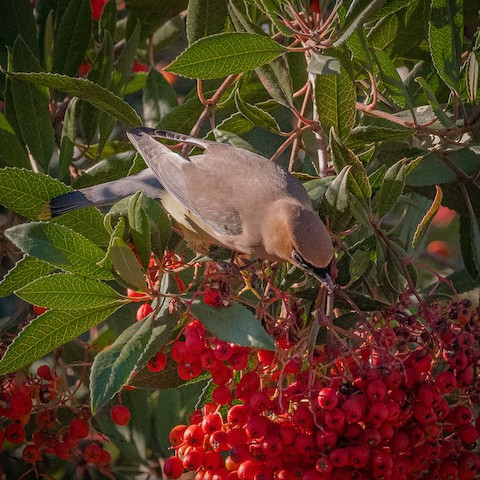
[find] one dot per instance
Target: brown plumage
(226, 196)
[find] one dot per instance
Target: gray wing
(179, 177)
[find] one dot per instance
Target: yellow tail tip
(45, 212)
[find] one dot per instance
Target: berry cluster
(394, 401)
(38, 402)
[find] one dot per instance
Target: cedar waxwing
(226, 196)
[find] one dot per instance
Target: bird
(225, 196)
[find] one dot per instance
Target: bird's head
(312, 248)
(302, 239)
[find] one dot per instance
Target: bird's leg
(243, 272)
(248, 285)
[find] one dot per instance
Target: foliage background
(392, 90)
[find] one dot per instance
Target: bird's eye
(300, 261)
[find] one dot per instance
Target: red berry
(39, 310)
(157, 363)
(31, 454)
(221, 395)
(340, 457)
(143, 311)
(468, 434)
(212, 461)
(194, 435)
(78, 428)
(97, 8)
(173, 467)
(193, 459)
(92, 453)
(237, 415)
(272, 446)
(43, 371)
(358, 456)
(136, 296)
(353, 410)
(327, 398)
(120, 414)
(376, 391)
(315, 6)
(15, 433)
(211, 423)
(247, 470)
(175, 436)
(105, 458)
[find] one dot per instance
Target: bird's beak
(323, 275)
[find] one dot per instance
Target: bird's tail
(68, 202)
(103, 194)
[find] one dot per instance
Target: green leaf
(113, 367)
(391, 189)
(236, 124)
(359, 263)
(101, 74)
(160, 225)
(139, 228)
(108, 20)
(72, 37)
(58, 245)
(123, 70)
(26, 192)
(365, 134)
(356, 17)
(323, 64)
(67, 141)
(31, 103)
(159, 98)
(24, 271)
(183, 117)
(431, 170)
(335, 98)
(376, 177)
(85, 90)
(462, 283)
(47, 332)
(88, 222)
(445, 38)
(126, 264)
(275, 77)
(235, 324)
(400, 27)
(154, 14)
(342, 156)
(12, 152)
(16, 19)
(337, 193)
(256, 115)
(273, 9)
(337, 201)
(427, 220)
(432, 100)
(67, 291)
(467, 237)
(225, 54)
(316, 189)
(360, 210)
(205, 18)
(393, 85)
(164, 324)
(232, 139)
(471, 77)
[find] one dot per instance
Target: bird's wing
(179, 177)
